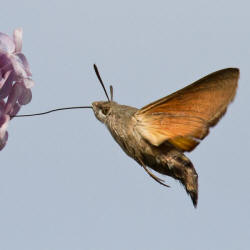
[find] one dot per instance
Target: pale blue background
(64, 182)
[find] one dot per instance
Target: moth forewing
(186, 115)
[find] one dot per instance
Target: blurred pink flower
(15, 80)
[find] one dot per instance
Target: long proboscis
(100, 80)
(53, 110)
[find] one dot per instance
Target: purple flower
(15, 80)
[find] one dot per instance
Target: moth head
(102, 110)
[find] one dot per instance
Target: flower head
(15, 80)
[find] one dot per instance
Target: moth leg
(157, 179)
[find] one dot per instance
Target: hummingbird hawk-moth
(157, 135)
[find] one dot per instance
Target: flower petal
(15, 110)
(5, 63)
(6, 44)
(17, 37)
(18, 66)
(25, 97)
(2, 105)
(28, 83)
(3, 140)
(3, 79)
(4, 120)
(25, 63)
(15, 93)
(7, 86)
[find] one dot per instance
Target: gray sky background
(65, 183)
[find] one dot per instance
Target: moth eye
(105, 111)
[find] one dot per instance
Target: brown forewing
(184, 117)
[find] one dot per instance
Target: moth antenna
(111, 92)
(100, 80)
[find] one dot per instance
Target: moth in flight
(157, 135)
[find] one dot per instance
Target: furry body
(165, 159)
